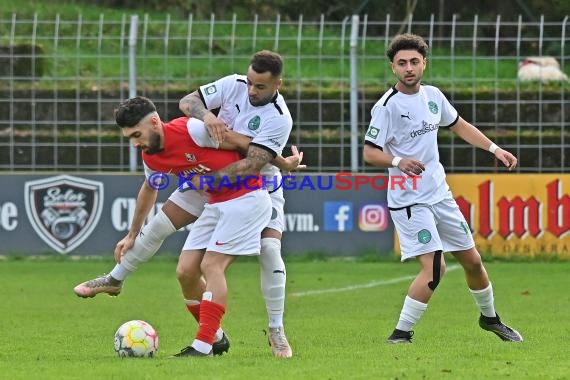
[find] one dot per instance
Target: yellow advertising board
(516, 214)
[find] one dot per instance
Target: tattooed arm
(193, 106)
(235, 141)
(256, 158)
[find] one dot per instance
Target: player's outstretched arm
(239, 142)
(235, 141)
(251, 165)
(475, 137)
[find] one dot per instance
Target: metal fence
(61, 78)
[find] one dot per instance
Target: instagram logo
(373, 218)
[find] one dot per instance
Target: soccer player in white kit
(403, 137)
(252, 105)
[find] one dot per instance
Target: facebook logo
(338, 216)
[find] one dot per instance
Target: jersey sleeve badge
(211, 90)
(372, 132)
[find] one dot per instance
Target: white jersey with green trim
(269, 125)
(406, 126)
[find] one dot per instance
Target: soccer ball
(136, 339)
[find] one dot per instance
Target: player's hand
(216, 127)
(507, 158)
(123, 246)
(411, 166)
(293, 162)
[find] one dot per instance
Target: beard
(154, 145)
(258, 102)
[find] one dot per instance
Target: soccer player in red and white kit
(227, 228)
(166, 148)
(252, 105)
(403, 137)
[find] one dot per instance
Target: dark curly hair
(407, 41)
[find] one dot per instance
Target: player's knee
(438, 270)
(471, 262)
(433, 284)
(270, 257)
(186, 276)
(271, 246)
(159, 227)
(475, 269)
(188, 272)
(208, 267)
(442, 269)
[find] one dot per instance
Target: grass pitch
(338, 316)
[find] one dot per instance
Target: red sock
(211, 314)
(195, 311)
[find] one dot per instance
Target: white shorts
(277, 221)
(191, 201)
(428, 228)
(232, 227)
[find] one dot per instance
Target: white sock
(219, 335)
(203, 347)
(273, 279)
(485, 300)
(411, 313)
(119, 272)
(148, 241)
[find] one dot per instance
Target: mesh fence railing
(60, 80)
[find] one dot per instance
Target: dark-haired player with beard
(177, 148)
(252, 105)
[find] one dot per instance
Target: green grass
(49, 333)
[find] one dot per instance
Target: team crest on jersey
(432, 107)
(254, 123)
(63, 210)
(372, 132)
(210, 90)
(190, 157)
